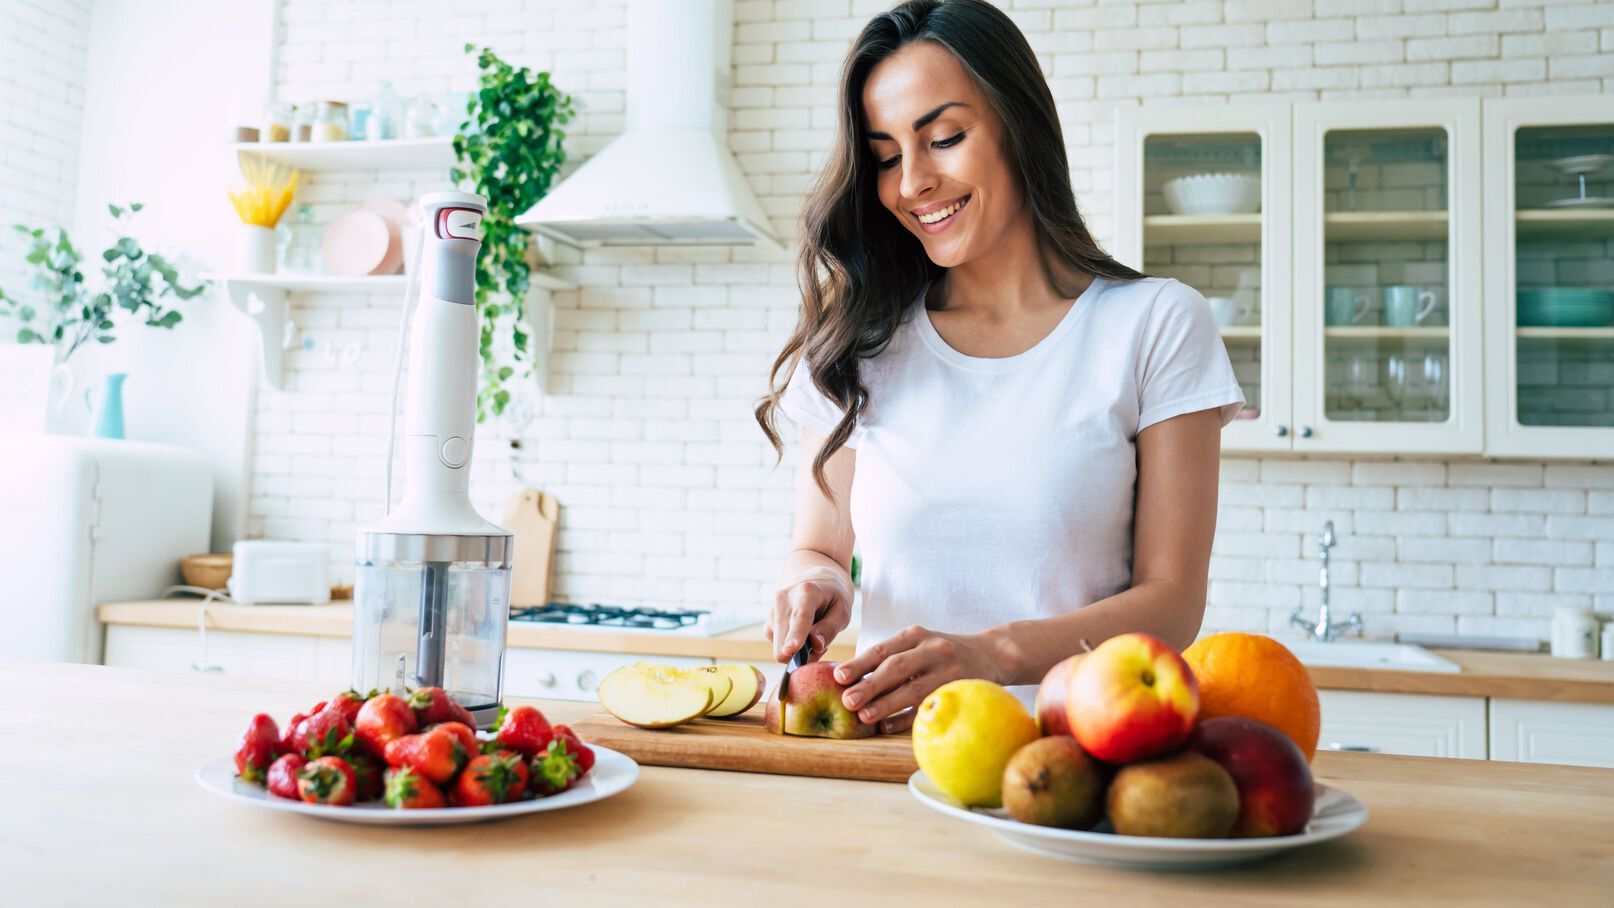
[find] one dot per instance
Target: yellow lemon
(965, 733)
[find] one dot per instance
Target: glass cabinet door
(1387, 298)
(1553, 286)
(1201, 199)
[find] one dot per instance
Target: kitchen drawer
(235, 653)
(1533, 731)
(555, 674)
(1410, 724)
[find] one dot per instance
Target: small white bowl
(1214, 193)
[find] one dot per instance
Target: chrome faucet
(1323, 630)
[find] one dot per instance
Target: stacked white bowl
(1214, 193)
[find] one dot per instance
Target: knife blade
(796, 661)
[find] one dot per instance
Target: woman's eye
(949, 142)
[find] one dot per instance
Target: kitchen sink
(1369, 654)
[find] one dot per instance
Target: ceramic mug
(1406, 305)
(1345, 306)
(1228, 311)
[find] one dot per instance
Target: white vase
(257, 249)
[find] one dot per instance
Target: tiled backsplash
(646, 434)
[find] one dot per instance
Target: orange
(1258, 678)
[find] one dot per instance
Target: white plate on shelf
(613, 773)
(1336, 814)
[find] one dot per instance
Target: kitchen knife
(796, 661)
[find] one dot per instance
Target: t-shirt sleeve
(808, 406)
(1182, 363)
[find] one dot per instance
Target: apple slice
(719, 685)
(746, 690)
(651, 699)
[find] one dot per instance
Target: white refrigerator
(85, 521)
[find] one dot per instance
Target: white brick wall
(646, 435)
(44, 46)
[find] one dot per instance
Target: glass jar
(330, 122)
(386, 114)
(359, 122)
(300, 245)
(421, 123)
(276, 123)
(302, 123)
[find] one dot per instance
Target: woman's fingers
(890, 675)
(851, 670)
(802, 608)
(898, 723)
(907, 695)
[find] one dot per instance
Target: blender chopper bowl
(432, 585)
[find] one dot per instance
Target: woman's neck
(1003, 283)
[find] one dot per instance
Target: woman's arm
(805, 608)
(1174, 525)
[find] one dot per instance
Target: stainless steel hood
(669, 179)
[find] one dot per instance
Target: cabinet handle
(1281, 431)
(587, 681)
(547, 679)
(1353, 748)
(1305, 431)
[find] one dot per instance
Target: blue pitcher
(109, 416)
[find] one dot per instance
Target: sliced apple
(746, 689)
(643, 696)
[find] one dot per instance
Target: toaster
(267, 571)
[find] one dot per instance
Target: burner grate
(597, 615)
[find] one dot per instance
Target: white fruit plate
(1336, 814)
(612, 774)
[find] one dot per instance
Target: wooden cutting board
(533, 517)
(741, 744)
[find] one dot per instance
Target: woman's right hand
(815, 609)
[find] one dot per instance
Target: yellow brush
(269, 191)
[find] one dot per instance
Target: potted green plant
(509, 151)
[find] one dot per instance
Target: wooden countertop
(105, 808)
(742, 645)
(1519, 676)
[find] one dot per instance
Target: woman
(1033, 427)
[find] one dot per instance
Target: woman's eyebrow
(923, 121)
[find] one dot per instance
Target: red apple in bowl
(1276, 793)
(1050, 711)
(1132, 698)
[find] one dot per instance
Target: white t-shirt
(990, 490)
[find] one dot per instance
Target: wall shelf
(1564, 223)
(436, 153)
(1201, 229)
(1241, 332)
(1376, 226)
(1567, 334)
(1372, 333)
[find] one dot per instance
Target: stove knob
(547, 679)
(587, 681)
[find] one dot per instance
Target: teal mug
(1345, 306)
(1406, 305)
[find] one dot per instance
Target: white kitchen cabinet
(1549, 245)
(1408, 724)
(1242, 259)
(1535, 731)
(231, 652)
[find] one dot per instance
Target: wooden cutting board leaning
(741, 744)
(533, 517)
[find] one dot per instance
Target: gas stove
(631, 618)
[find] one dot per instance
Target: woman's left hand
(903, 670)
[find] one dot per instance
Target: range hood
(669, 179)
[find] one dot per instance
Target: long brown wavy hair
(858, 268)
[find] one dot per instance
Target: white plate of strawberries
(413, 759)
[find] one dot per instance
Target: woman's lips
(944, 223)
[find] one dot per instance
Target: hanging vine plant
(509, 152)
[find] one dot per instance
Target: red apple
(815, 709)
(1051, 696)
(1132, 698)
(1276, 794)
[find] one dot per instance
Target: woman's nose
(918, 178)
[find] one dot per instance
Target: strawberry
(469, 745)
(257, 747)
(583, 753)
(556, 769)
(381, 719)
(491, 779)
(287, 744)
(436, 754)
(407, 790)
(433, 705)
(283, 776)
(348, 703)
(367, 774)
(324, 733)
(327, 780)
(524, 730)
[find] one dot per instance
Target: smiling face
(937, 145)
